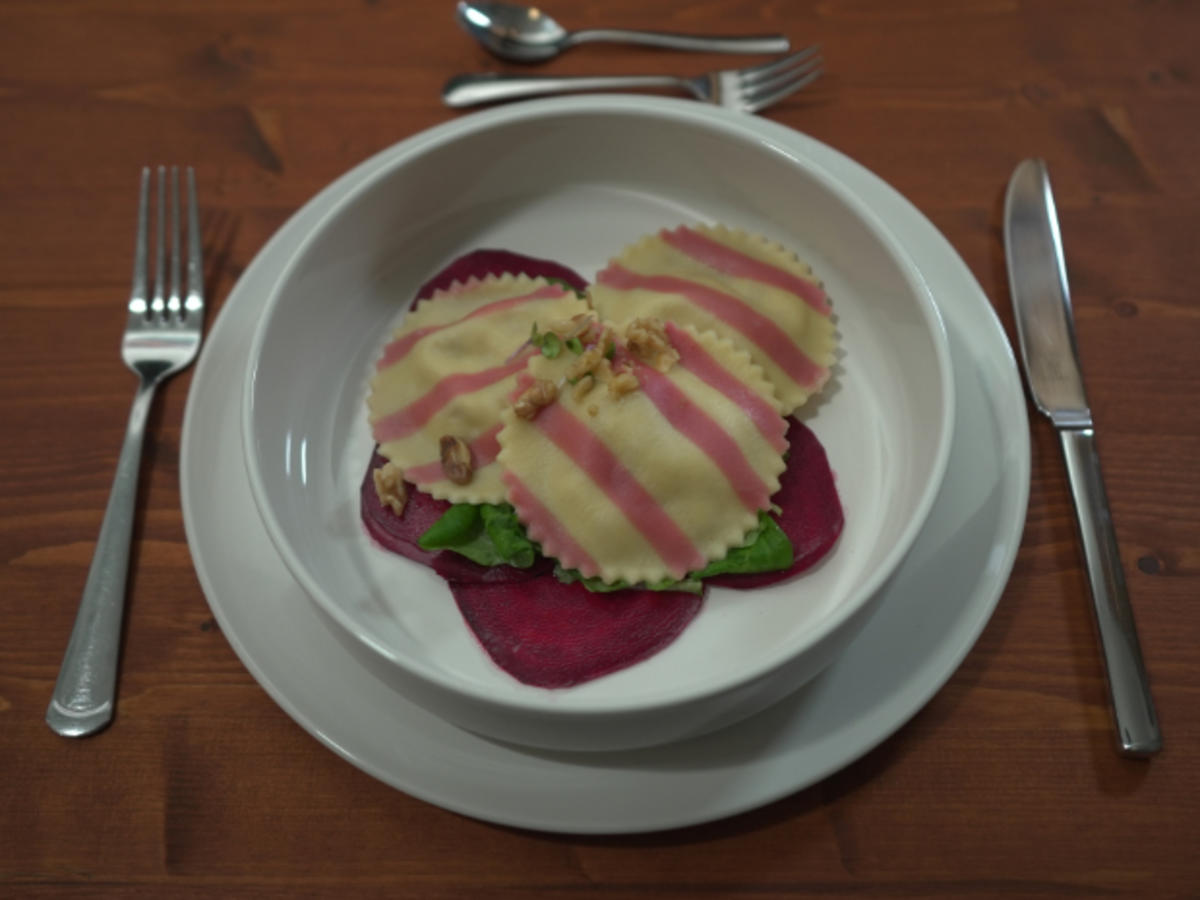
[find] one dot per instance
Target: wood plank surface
(1005, 784)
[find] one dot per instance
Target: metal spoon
(526, 34)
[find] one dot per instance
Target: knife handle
(1129, 688)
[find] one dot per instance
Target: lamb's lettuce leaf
(491, 535)
(508, 535)
(766, 549)
(488, 534)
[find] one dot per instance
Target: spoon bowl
(520, 33)
(526, 34)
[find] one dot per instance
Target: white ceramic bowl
(575, 180)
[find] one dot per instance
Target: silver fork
(746, 90)
(162, 336)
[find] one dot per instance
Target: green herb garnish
(488, 534)
(766, 549)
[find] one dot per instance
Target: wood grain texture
(1005, 784)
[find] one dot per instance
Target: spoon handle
(748, 44)
(469, 90)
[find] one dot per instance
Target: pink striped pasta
(654, 482)
(742, 286)
(448, 370)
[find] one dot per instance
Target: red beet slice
(812, 513)
(400, 534)
(553, 635)
(455, 567)
(481, 263)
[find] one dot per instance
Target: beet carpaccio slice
(553, 635)
(811, 514)
(481, 263)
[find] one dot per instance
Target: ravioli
(744, 287)
(447, 373)
(639, 481)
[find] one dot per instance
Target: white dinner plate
(929, 617)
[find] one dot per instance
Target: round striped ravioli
(655, 482)
(448, 371)
(745, 287)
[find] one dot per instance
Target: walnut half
(623, 383)
(539, 394)
(389, 487)
(456, 459)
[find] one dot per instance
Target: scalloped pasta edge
(458, 288)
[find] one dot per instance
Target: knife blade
(1041, 298)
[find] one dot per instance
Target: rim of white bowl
(690, 113)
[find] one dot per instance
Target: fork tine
(174, 306)
(756, 102)
(137, 294)
(754, 74)
(157, 304)
(195, 265)
(764, 86)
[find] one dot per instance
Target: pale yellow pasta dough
(455, 347)
(792, 338)
(675, 495)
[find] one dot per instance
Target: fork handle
(84, 695)
(470, 90)
(750, 44)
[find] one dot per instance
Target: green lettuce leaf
(487, 534)
(491, 535)
(507, 534)
(766, 549)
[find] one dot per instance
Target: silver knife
(1037, 275)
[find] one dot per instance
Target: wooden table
(1006, 783)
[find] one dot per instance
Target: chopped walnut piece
(456, 459)
(540, 393)
(623, 383)
(587, 362)
(389, 487)
(584, 387)
(647, 340)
